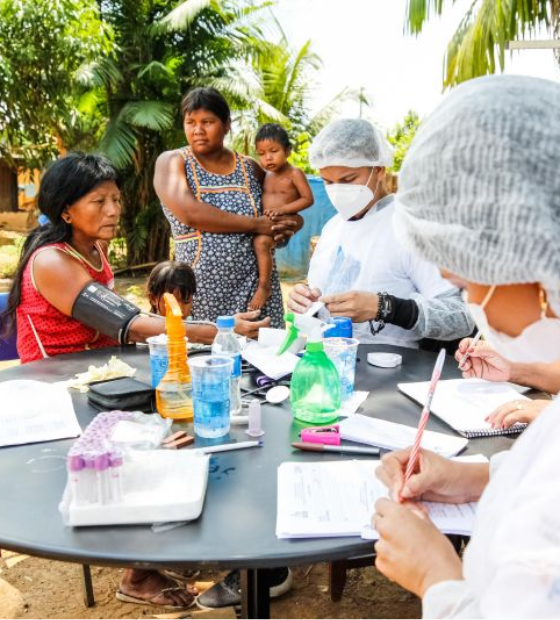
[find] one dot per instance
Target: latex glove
(436, 479)
(411, 550)
(357, 305)
(483, 362)
(516, 411)
(247, 325)
(301, 297)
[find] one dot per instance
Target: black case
(124, 393)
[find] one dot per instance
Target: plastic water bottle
(226, 344)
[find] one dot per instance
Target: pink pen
(412, 461)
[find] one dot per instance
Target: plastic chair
(8, 348)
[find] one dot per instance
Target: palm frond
(154, 70)
(103, 72)
(118, 143)
(155, 115)
(182, 16)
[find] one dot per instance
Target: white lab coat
(511, 566)
(365, 255)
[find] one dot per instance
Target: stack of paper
(337, 498)
(391, 436)
(33, 411)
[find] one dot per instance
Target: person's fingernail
(487, 418)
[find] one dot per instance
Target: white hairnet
(351, 142)
(479, 190)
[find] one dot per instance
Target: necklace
(77, 255)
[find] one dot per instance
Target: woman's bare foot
(149, 587)
(261, 296)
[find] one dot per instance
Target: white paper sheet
(266, 360)
(464, 403)
(34, 411)
(337, 498)
(391, 436)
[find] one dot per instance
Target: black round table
(237, 525)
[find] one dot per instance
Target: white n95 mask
(539, 342)
(349, 199)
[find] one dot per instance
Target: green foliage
(401, 136)
(479, 44)
(108, 75)
(44, 46)
(300, 153)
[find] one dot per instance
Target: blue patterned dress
(225, 265)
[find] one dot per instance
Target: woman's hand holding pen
(482, 361)
(437, 479)
(411, 550)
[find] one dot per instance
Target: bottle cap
(342, 327)
(225, 322)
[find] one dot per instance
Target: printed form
(34, 411)
(337, 498)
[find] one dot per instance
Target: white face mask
(349, 199)
(539, 342)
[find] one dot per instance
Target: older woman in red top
(62, 300)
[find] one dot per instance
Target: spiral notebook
(465, 403)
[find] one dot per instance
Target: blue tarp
(293, 260)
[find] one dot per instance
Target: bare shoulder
(169, 160)
(297, 174)
(57, 262)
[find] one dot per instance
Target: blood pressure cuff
(98, 307)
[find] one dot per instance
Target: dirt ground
(45, 589)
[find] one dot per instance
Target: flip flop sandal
(126, 598)
(181, 575)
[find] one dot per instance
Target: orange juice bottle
(174, 391)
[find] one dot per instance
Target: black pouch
(124, 393)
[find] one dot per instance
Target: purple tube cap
(75, 463)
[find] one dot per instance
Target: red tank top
(38, 320)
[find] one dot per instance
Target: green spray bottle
(315, 385)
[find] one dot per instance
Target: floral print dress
(225, 265)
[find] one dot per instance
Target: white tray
(158, 486)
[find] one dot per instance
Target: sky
(362, 44)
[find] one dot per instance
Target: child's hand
(247, 325)
(271, 214)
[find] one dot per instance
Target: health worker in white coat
(359, 268)
(492, 219)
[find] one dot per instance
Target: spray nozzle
(174, 325)
(302, 324)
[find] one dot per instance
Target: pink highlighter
(326, 435)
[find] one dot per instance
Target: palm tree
(480, 42)
(159, 54)
(285, 80)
